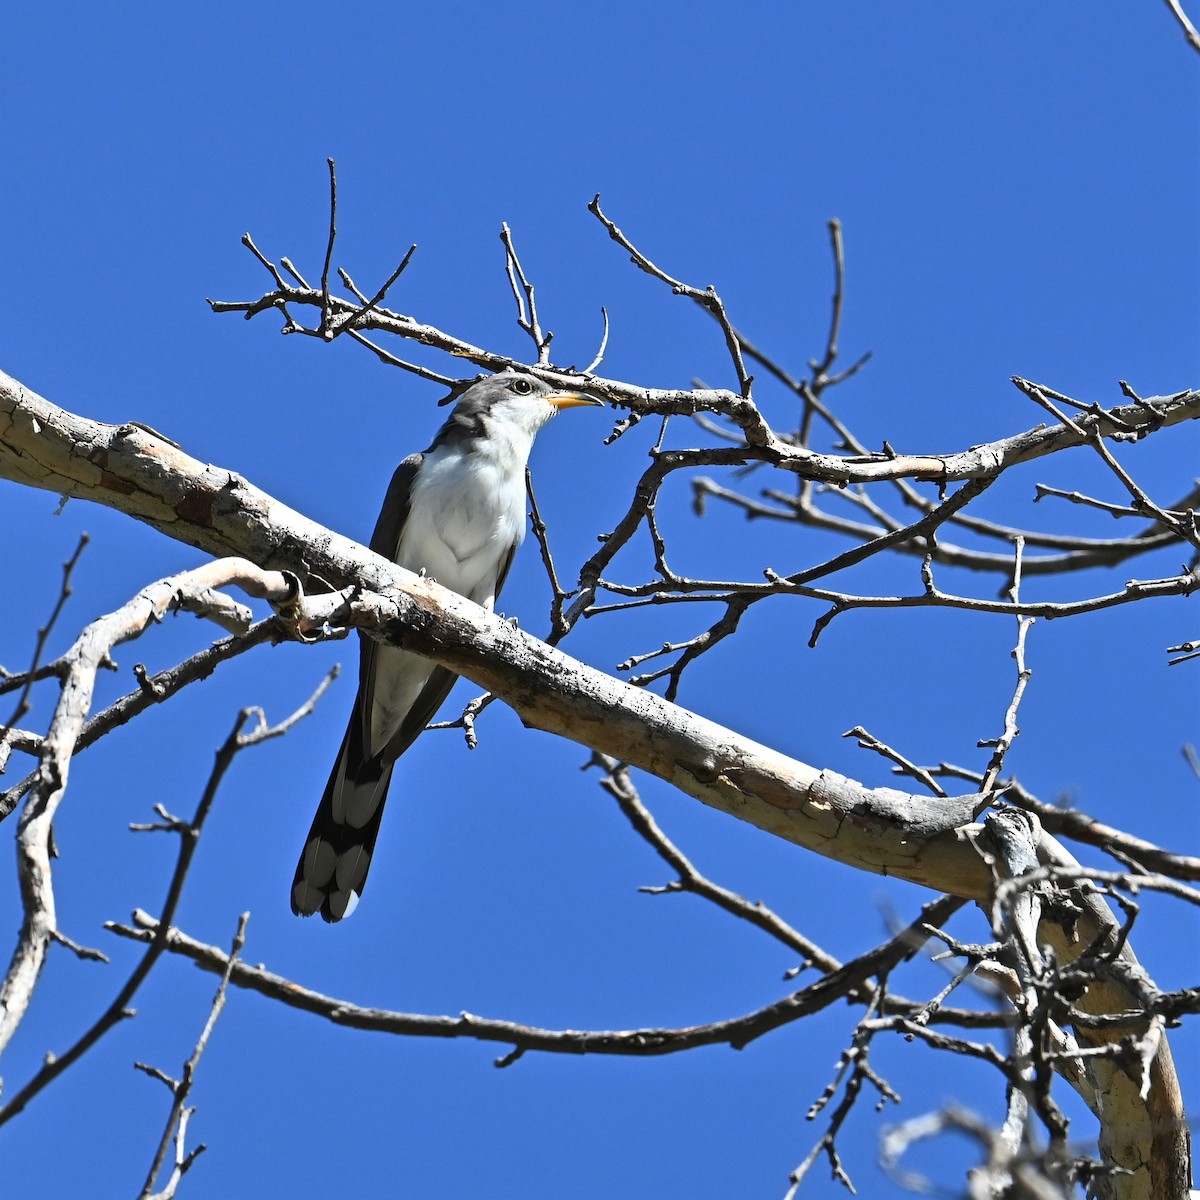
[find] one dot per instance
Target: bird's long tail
(337, 852)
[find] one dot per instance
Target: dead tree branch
(175, 1133)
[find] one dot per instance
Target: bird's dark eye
(522, 387)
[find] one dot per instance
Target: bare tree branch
(736, 1032)
(27, 679)
(177, 1119)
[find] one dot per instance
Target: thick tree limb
(1143, 1126)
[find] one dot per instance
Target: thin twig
(820, 370)
(176, 1125)
(369, 306)
(43, 634)
(558, 596)
(1092, 437)
(1004, 742)
(523, 294)
(326, 315)
(603, 344)
(869, 742)
(707, 297)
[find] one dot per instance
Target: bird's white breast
(466, 513)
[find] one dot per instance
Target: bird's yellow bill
(571, 399)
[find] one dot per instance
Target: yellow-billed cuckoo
(456, 513)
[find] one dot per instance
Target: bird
(456, 514)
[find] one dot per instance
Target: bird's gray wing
(385, 541)
(505, 563)
(393, 516)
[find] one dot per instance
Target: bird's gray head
(510, 397)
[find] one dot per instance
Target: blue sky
(1017, 190)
